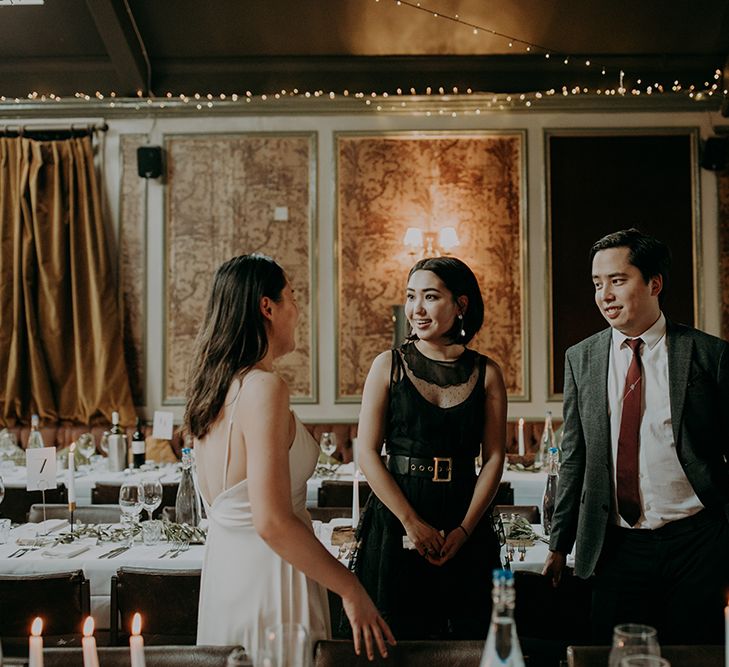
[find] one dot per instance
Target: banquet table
(99, 571)
(528, 486)
(85, 480)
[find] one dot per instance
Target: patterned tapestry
(132, 267)
(723, 187)
(387, 183)
(228, 195)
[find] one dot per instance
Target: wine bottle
(187, 508)
(547, 440)
(502, 647)
(35, 439)
(550, 491)
(138, 445)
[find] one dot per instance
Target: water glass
(131, 501)
(86, 445)
(328, 445)
(4, 530)
(633, 639)
(151, 532)
(644, 661)
(285, 645)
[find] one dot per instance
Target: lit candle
(35, 644)
(355, 500)
(136, 642)
(522, 450)
(726, 635)
(88, 644)
(70, 479)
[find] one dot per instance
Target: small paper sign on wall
(41, 466)
(162, 425)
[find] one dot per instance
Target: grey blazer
(698, 369)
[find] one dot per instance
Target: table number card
(162, 425)
(41, 466)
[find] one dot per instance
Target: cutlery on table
(183, 547)
(119, 552)
(113, 552)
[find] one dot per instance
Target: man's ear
(656, 283)
(266, 309)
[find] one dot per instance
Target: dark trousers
(674, 578)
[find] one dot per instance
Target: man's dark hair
(648, 254)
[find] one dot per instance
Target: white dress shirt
(665, 492)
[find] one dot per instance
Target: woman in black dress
(426, 547)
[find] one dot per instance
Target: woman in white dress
(263, 564)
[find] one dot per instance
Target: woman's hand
(453, 542)
(426, 539)
(366, 622)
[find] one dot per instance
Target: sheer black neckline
(441, 373)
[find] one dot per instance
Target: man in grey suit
(644, 484)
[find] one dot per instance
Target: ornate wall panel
(133, 262)
(228, 195)
(724, 251)
(387, 183)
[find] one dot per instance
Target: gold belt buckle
(436, 476)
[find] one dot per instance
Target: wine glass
(328, 445)
(286, 644)
(152, 496)
(633, 639)
(131, 502)
(86, 444)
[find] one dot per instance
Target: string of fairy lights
(429, 101)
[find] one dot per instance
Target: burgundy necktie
(628, 489)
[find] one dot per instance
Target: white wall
(535, 123)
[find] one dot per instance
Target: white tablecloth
(84, 481)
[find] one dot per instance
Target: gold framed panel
(389, 181)
(132, 269)
(229, 194)
(692, 133)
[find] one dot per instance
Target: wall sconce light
(431, 244)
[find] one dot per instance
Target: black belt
(437, 469)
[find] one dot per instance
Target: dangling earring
(463, 331)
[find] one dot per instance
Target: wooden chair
(16, 504)
(83, 513)
(154, 656)
(108, 494)
(167, 599)
(530, 512)
(550, 619)
(678, 656)
(338, 493)
(336, 653)
(326, 514)
(62, 600)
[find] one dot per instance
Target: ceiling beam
(117, 30)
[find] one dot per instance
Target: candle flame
(89, 626)
(37, 627)
(136, 623)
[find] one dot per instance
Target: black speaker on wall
(149, 161)
(715, 154)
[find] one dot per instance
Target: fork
(183, 547)
(175, 546)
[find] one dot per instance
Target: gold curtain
(61, 352)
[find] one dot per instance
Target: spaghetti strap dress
(434, 429)
(246, 586)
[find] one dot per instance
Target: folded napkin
(47, 526)
(64, 550)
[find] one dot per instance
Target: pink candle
(35, 644)
(136, 642)
(88, 644)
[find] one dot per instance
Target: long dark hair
(460, 281)
(233, 335)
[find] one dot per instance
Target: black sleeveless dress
(420, 600)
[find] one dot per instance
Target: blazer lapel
(599, 359)
(679, 363)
